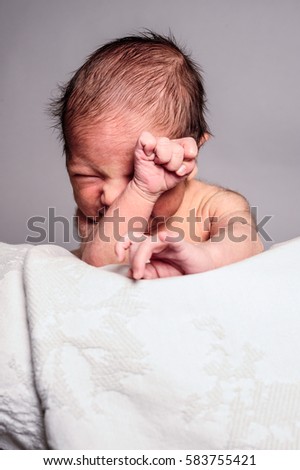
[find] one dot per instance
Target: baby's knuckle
(163, 141)
(178, 150)
(191, 146)
(191, 140)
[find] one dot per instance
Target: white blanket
(92, 360)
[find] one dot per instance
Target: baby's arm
(159, 165)
(233, 237)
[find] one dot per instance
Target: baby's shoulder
(201, 193)
(203, 190)
(210, 199)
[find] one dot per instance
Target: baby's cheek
(88, 201)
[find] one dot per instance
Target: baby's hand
(161, 163)
(164, 257)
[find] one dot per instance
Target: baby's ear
(204, 139)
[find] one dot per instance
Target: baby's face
(101, 166)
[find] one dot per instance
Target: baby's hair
(145, 75)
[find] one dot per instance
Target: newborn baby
(132, 120)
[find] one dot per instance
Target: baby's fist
(161, 163)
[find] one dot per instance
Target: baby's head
(146, 78)
(129, 85)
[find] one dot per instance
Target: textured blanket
(90, 359)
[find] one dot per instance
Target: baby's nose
(110, 194)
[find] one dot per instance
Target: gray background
(249, 51)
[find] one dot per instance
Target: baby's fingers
(186, 168)
(189, 146)
(169, 154)
(145, 145)
(139, 261)
(178, 156)
(121, 247)
(130, 244)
